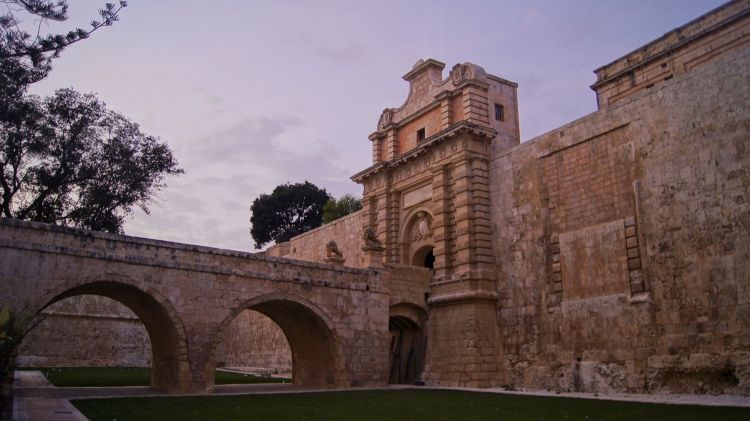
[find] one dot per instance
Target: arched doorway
(170, 370)
(407, 344)
(424, 257)
(315, 356)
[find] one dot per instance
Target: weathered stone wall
(622, 242)
(87, 331)
(252, 340)
(409, 284)
(311, 246)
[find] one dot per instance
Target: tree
(289, 210)
(69, 160)
(58, 164)
(336, 209)
(27, 58)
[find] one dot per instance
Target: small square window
(420, 135)
(499, 112)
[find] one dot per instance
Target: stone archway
(315, 354)
(424, 257)
(170, 369)
(407, 344)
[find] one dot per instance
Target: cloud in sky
(253, 94)
(225, 170)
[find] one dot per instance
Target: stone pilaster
(475, 103)
(440, 209)
(446, 110)
(391, 144)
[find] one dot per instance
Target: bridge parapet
(34, 236)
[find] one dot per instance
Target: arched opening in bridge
(255, 344)
(406, 351)
(109, 324)
(86, 331)
(424, 257)
(314, 354)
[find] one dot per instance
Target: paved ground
(40, 409)
(37, 400)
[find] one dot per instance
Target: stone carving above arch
(421, 227)
(416, 234)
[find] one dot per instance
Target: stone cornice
(459, 128)
(663, 47)
(462, 297)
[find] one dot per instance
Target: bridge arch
(316, 357)
(170, 369)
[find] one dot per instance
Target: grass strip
(394, 405)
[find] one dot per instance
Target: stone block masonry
(646, 280)
(610, 254)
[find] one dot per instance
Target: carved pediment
(385, 119)
(466, 71)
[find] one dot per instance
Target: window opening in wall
(499, 112)
(420, 135)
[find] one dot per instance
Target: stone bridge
(335, 318)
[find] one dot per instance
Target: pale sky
(253, 94)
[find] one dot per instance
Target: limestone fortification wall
(87, 331)
(622, 242)
(311, 246)
(253, 340)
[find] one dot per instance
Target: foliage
(39, 50)
(27, 58)
(69, 160)
(394, 405)
(335, 209)
(289, 210)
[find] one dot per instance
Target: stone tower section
(426, 202)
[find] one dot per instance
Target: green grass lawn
(393, 405)
(130, 376)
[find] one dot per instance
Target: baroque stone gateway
(610, 254)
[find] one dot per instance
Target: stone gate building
(610, 254)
